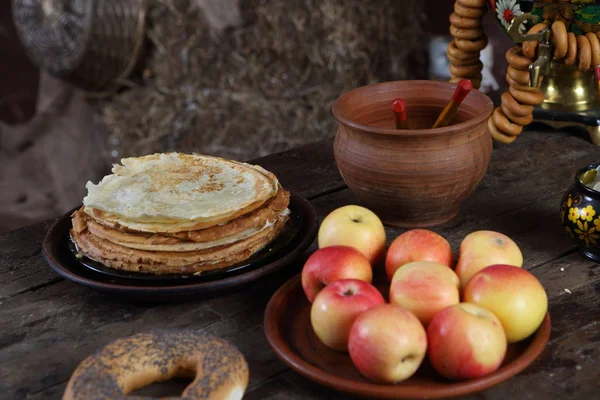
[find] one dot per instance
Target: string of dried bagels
(516, 110)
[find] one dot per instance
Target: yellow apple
(484, 248)
(424, 288)
(354, 226)
(513, 294)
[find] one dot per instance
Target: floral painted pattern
(589, 236)
(506, 10)
(573, 214)
(583, 223)
(580, 16)
(587, 213)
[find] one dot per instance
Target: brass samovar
(571, 96)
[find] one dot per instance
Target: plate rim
(283, 350)
(49, 251)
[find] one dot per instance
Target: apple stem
(348, 292)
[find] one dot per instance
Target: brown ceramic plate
(288, 330)
(303, 225)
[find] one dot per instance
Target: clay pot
(418, 177)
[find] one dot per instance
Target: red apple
(387, 343)
(513, 294)
(465, 341)
(336, 307)
(354, 226)
(331, 264)
(483, 248)
(424, 288)
(417, 245)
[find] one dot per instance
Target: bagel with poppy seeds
(218, 369)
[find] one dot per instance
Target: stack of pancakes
(179, 213)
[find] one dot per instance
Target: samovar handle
(544, 50)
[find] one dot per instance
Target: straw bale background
(260, 78)
(233, 78)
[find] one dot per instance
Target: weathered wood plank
(244, 327)
(290, 385)
(20, 256)
(61, 324)
(49, 328)
(53, 392)
(240, 320)
(310, 170)
(56, 335)
(556, 375)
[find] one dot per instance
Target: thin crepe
(174, 192)
(164, 262)
(254, 220)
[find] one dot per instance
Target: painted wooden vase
(580, 215)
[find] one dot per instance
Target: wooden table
(48, 325)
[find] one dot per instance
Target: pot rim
(456, 128)
(581, 185)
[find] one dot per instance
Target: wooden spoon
(462, 90)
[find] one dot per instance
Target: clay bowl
(290, 335)
(418, 177)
